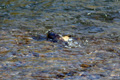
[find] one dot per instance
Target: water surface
(95, 25)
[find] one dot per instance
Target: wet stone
(85, 65)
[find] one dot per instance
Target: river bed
(94, 24)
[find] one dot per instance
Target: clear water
(95, 25)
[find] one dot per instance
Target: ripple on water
(93, 54)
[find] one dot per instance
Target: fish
(56, 37)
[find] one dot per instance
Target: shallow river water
(25, 55)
